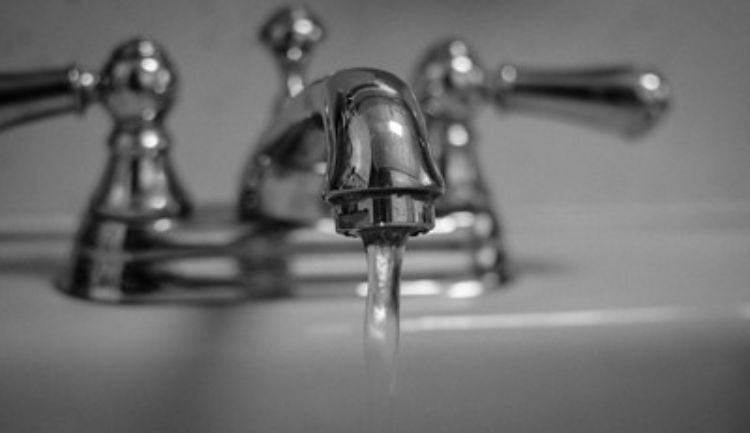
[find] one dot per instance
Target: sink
(622, 319)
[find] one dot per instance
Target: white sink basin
(619, 322)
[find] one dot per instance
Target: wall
(701, 154)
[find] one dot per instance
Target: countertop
(639, 314)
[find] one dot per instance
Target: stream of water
(384, 257)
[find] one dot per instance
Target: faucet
(373, 156)
(350, 153)
(138, 232)
(454, 259)
(357, 134)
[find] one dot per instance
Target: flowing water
(384, 256)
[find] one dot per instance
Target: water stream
(384, 256)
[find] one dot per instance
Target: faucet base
(124, 261)
(213, 259)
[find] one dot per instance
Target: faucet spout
(357, 139)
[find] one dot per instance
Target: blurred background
(700, 154)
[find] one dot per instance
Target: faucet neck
(362, 132)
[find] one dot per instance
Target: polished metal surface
(370, 139)
(30, 95)
(139, 192)
(624, 99)
(452, 85)
(355, 139)
(371, 143)
(459, 253)
(451, 82)
(350, 154)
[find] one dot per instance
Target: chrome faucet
(458, 258)
(350, 153)
(370, 145)
(138, 240)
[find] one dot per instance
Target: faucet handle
(451, 83)
(137, 84)
(31, 95)
(291, 34)
(627, 100)
(139, 192)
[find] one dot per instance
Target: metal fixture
(138, 242)
(139, 192)
(348, 153)
(378, 172)
(452, 85)
(458, 258)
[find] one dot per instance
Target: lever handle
(291, 34)
(27, 96)
(451, 83)
(136, 85)
(626, 100)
